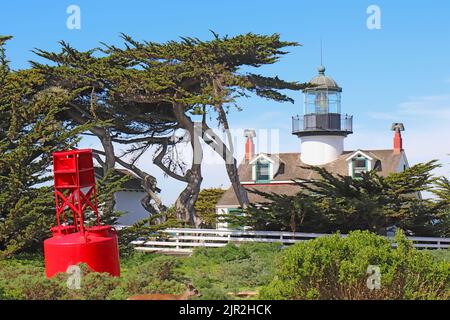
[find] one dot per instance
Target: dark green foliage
(340, 203)
(442, 192)
(29, 133)
(334, 267)
(282, 213)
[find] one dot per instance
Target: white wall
(129, 202)
(403, 163)
(319, 150)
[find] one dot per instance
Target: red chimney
(249, 144)
(398, 141)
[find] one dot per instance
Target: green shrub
(24, 279)
(155, 275)
(440, 255)
(213, 293)
(40, 288)
(334, 267)
(95, 286)
(217, 271)
(229, 252)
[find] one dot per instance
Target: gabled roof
(292, 168)
(268, 157)
(367, 154)
(229, 197)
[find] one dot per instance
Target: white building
(128, 200)
(322, 130)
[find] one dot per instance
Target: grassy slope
(215, 273)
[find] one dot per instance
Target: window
(321, 103)
(262, 172)
(377, 166)
(359, 166)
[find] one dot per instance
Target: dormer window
(264, 168)
(262, 172)
(360, 165)
(360, 162)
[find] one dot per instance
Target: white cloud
(436, 107)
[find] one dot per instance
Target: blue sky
(400, 73)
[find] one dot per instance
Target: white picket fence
(183, 240)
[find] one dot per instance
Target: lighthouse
(322, 128)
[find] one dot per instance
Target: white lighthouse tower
(322, 129)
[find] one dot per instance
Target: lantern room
(322, 109)
(323, 95)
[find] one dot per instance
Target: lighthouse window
(321, 102)
(262, 172)
(359, 166)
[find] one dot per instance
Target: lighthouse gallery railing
(322, 122)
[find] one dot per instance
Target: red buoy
(72, 242)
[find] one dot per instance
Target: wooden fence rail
(184, 240)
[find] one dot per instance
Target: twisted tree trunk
(227, 153)
(186, 200)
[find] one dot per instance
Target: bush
(230, 252)
(19, 276)
(25, 280)
(157, 275)
(218, 271)
(336, 268)
(440, 255)
(326, 268)
(94, 286)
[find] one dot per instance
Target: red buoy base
(97, 247)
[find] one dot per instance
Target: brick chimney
(398, 140)
(249, 144)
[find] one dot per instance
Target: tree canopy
(30, 132)
(143, 94)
